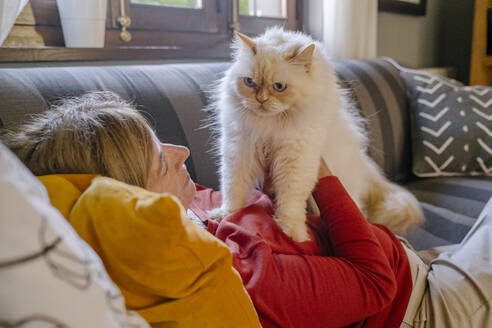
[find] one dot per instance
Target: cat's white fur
(285, 138)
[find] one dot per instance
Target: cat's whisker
(373, 114)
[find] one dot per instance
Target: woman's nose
(184, 152)
(180, 153)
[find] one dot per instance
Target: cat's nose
(261, 100)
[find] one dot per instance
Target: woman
(351, 273)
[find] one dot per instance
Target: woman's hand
(324, 170)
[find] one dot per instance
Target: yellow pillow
(172, 272)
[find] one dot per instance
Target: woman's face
(168, 172)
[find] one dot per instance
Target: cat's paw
(218, 213)
(297, 231)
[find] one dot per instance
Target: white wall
(313, 18)
(411, 40)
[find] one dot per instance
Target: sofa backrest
(380, 96)
(173, 96)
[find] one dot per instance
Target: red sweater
(351, 273)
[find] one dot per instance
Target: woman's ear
(304, 57)
(247, 41)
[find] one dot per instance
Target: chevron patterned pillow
(451, 126)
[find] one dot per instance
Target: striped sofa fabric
(172, 97)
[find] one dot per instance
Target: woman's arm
(297, 290)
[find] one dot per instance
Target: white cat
(280, 109)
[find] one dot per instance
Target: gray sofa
(173, 96)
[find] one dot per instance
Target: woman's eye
(277, 86)
(163, 164)
(249, 82)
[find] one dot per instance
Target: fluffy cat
(279, 109)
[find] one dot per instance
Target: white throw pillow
(49, 277)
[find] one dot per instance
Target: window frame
(148, 42)
(158, 32)
(223, 19)
(162, 18)
(254, 25)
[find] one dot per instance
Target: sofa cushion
(451, 205)
(451, 126)
(48, 275)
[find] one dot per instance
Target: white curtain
(9, 10)
(350, 28)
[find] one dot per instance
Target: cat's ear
(304, 57)
(247, 41)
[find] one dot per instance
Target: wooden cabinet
(481, 64)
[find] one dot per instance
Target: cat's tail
(392, 205)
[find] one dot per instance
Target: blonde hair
(97, 133)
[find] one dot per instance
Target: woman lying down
(127, 195)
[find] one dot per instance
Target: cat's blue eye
(249, 82)
(279, 87)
